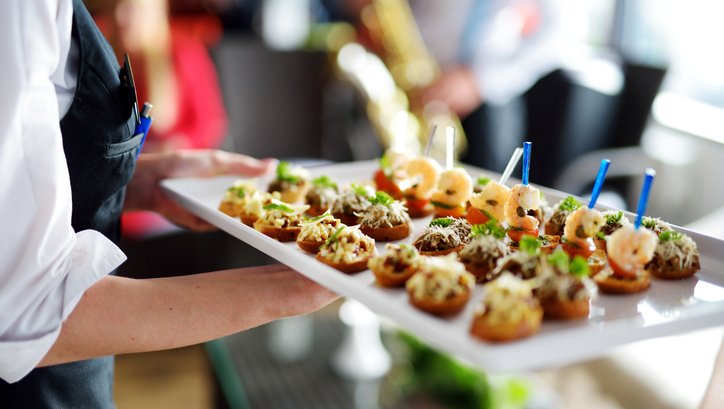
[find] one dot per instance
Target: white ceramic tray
(667, 308)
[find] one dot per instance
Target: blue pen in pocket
(144, 125)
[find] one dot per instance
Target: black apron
(100, 150)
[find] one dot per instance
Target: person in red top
(174, 72)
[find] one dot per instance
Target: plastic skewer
(526, 162)
(599, 182)
(428, 147)
(449, 147)
(644, 198)
(512, 163)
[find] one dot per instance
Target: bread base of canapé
(508, 331)
(441, 252)
(393, 233)
(674, 274)
(248, 219)
(565, 310)
(397, 279)
(347, 268)
(610, 284)
(447, 306)
(281, 234)
(230, 208)
(310, 246)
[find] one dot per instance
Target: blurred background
(322, 81)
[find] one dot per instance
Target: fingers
(237, 164)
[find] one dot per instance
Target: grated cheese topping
(379, 215)
(684, 248)
(255, 205)
(349, 202)
(554, 284)
(350, 246)
(520, 263)
(508, 299)
(319, 229)
(484, 250)
(397, 259)
(240, 191)
(282, 218)
(440, 278)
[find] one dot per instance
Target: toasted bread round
(282, 234)
(509, 331)
(346, 219)
(565, 310)
(230, 208)
(387, 233)
(248, 219)
(347, 268)
(671, 274)
(610, 284)
(445, 307)
(397, 279)
(310, 246)
(441, 252)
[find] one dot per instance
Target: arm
(120, 315)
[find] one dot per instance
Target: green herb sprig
(490, 228)
(285, 174)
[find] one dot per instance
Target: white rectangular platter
(667, 308)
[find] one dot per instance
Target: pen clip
(130, 84)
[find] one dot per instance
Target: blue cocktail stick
(599, 182)
(526, 161)
(644, 198)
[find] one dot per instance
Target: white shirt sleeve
(45, 267)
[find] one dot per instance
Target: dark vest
(100, 151)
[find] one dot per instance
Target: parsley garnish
(360, 190)
(490, 228)
(578, 267)
(385, 161)
(284, 173)
(600, 235)
(278, 206)
(238, 191)
(529, 244)
(324, 182)
(613, 218)
(648, 222)
(483, 180)
(670, 235)
(382, 198)
(569, 204)
(442, 222)
(559, 260)
(334, 236)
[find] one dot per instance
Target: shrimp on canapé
(454, 188)
(582, 224)
(521, 199)
(423, 174)
(630, 249)
(491, 199)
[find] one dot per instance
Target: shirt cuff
(92, 257)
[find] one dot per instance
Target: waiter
(67, 160)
